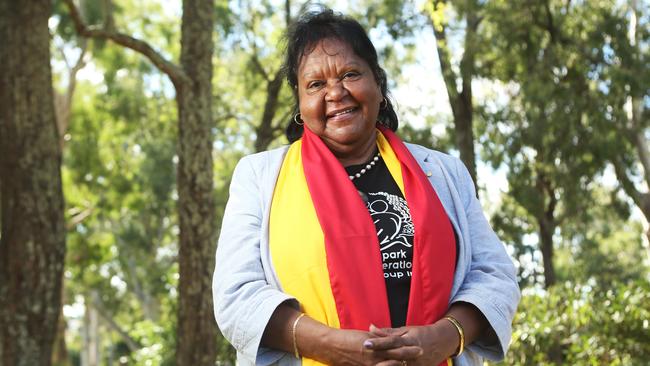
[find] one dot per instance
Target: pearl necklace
(366, 168)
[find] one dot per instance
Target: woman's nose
(335, 91)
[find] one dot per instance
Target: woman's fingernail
(367, 344)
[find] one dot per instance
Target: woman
(348, 246)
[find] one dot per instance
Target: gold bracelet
(293, 335)
(461, 334)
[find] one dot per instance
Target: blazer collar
(421, 155)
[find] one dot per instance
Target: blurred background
(546, 101)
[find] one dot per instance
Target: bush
(577, 324)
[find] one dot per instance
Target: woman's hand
(417, 345)
(329, 345)
(437, 342)
(353, 347)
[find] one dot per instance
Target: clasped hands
(411, 345)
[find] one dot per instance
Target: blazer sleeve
(491, 282)
(243, 299)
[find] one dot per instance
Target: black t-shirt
(395, 230)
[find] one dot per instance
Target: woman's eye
(350, 74)
(314, 84)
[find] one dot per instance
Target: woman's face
(338, 97)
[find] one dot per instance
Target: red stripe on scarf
(353, 256)
(434, 247)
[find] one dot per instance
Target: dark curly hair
(303, 36)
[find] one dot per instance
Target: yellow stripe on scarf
(391, 161)
(297, 244)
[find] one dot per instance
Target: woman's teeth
(342, 112)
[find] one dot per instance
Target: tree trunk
(32, 241)
(150, 307)
(91, 346)
(464, 130)
(197, 336)
(546, 230)
(266, 131)
(460, 101)
(63, 101)
(100, 309)
(547, 223)
(634, 131)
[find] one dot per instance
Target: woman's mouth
(341, 113)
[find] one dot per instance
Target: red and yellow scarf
(324, 245)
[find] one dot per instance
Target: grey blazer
(246, 290)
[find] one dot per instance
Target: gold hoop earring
(296, 117)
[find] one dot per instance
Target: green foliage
(119, 166)
(550, 134)
(583, 324)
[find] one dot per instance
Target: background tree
(253, 61)
(32, 237)
(460, 96)
(542, 134)
(193, 84)
(120, 166)
(622, 69)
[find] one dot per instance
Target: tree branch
(72, 81)
(641, 145)
(264, 130)
(63, 102)
(550, 24)
(130, 342)
(278, 125)
(256, 61)
(175, 73)
(444, 55)
(467, 61)
(149, 308)
(78, 218)
(287, 12)
(636, 130)
(109, 22)
(626, 183)
(258, 65)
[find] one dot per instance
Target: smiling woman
(350, 246)
(339, 100)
